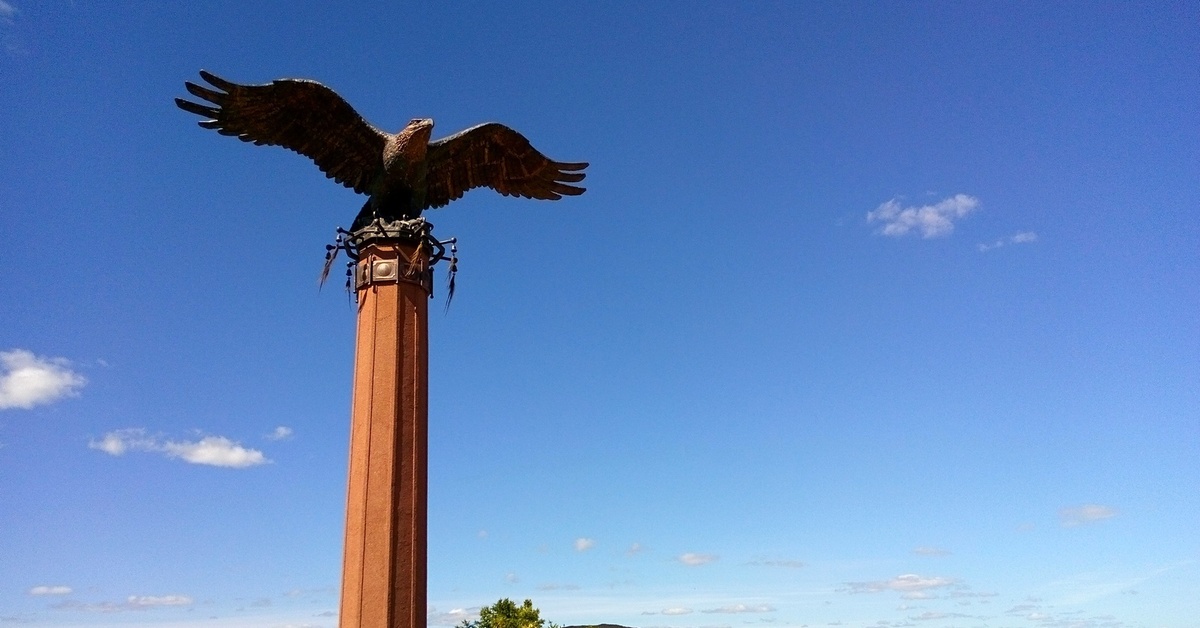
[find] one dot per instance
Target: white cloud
(50, 590)
(583, 544)
(635, 549)
(7, 11)
(964, 594)
(695, 560)
(511, 577)
(112, 444)
(1087, 513)
(932, 615)
(742, 608)
(282, 432)
(1023, 237)
(132, 603)
(677, 610)
(27, 380)
(152, 601)
(117, 442)
(912, 585)
(97, 607)
(216, 451)
(931, 221)
(925, 550)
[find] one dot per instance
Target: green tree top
(506, 614)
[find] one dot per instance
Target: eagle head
(418, 130)
(408, 146)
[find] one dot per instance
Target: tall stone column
(384, 565)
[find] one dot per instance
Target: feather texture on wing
(303, 116)
(498, 157)
(404, 173)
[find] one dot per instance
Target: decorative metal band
(383, 271)
(416, 232)
(413, 230)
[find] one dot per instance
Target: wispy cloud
(926, 550)
(7, 11)
(776, 562)
(695, 560)
(316, 591)
(931, 221)
(1087, 587)
(451, 617)
(132, 603)
(27, 380)
(932, 615)
(282, 432)
(117, 442)
(742, 608)
(1046, 615)
(554, 586)
(1085, 514)
(583, 544)
(50, 590)
(1023, 237)
(966, 593)
(912, 586)
(635, 549)
(216, 451)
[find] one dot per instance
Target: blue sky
(874, 314)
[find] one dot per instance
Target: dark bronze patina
(402, 174)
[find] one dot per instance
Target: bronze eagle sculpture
(402, 174)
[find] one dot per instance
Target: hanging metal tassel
(414, 261)
(331, 252)
(451, 272)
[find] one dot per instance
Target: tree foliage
(506, 614)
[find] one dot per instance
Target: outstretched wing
(304, 116)
(498, 157)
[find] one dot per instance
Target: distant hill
(598, 626)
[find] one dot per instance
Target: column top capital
(411, 231)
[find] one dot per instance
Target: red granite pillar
(384, 568)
